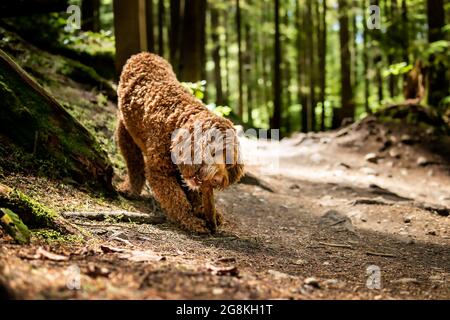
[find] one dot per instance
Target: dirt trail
(334, 223)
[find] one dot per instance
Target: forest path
(337, 226)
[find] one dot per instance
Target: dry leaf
(141, 256)
(41, 253)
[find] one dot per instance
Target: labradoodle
(169, 138)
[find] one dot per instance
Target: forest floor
(332, 218)
(346, 207)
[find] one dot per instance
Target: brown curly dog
(170, 138)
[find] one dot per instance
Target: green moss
(39, 215)
(55, 236)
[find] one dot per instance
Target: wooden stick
(380, 254)
(336, 245)
(119, 216)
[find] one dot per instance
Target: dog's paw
(195, 225)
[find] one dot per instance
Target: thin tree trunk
(90, 14)
(249, 69)
(312, 70)
(227, 59)
(322, 61)
(301, 65)
(366, 66)
(276, 116)
(240, 71)
(216, 56)
(347, 109)
(150, 24)
(192, 52)
(175, 40)
(161, 28)
(438, 83)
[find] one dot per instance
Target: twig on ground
(380, 254)
(119, 216)
(336, 245)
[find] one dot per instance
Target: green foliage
(397, 69)
(14, 226)
(196, 88)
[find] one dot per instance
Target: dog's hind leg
(134, 161)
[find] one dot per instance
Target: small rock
(372, 157)
(313, 282)
(294, 187)
(406, 219)
(395, 153)
(422, 161)
(407, 139)
(217, 291)
(431, 233)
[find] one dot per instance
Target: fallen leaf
(142, 256)
(41, 253)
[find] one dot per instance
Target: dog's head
(210, 158)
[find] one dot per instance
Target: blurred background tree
(300, 65)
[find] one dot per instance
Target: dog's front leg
(172, 199)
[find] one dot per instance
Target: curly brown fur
(152, 105)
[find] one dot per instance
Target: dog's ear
(235, 173)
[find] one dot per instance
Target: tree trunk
(216, 56)
(249, 68)
(34, 121)
(322, 61)
(312, 70)
(438, 83)
(227, 58)
(347, 109)
(90, 15)
(192, 52)
(240, 111)
(276, 116)
(366, 66)
(150, 23)
(130, 28)
(301, 65)
(175, 40)
(161, 13)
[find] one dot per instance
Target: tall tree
(347, 109)
(90, 15)
(150, 24)
(216, 56)
(312, 63)
(130, 29)
(240, 111)
(438, 83)
(161, 12)
(322, 60)
(192, 52)
(276, 115)
(249, 71)
(366, 64)
(174, 38)
(301, 67)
